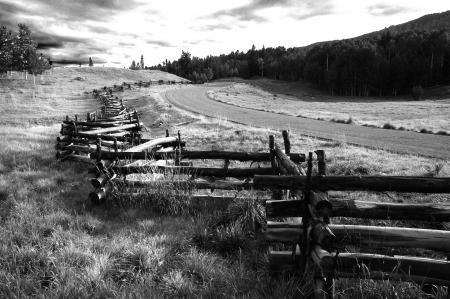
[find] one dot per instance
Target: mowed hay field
(297, 99)
(56, 244)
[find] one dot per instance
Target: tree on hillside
(91, 63)
(184, 61)
(6, 44)
(133, 65)
(142, 62)
(37, 64)
(22, 47)
(261, 66)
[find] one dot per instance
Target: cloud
(312, 9)
(300, 9)
(386, 10)
(8, 12)
(198, 41)
(212, 27)
(160, 43)
(54, 41)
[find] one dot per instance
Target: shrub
(389, 126)
(426, 131)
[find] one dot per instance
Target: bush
(389, 126)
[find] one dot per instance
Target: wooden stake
(287, 142)
(116, 149)
(99, 149)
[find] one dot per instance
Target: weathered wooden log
(102, 124)
(218, 155)
(191, 184)
(152, 143)
(78, 148)
(101, 180)
(100, 195)
(372, 236)
(62, 154)
(123, 136)
(357, 183)
(112, 129)
(196, 171)
(286, 162)
(169, 149)
(365, 209)
(375, 266)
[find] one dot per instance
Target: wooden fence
(127, 164)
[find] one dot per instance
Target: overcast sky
(116, 32)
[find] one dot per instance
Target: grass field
(299, 100)
(56, 244)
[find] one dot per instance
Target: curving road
(194, 99)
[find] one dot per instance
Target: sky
(115, 32)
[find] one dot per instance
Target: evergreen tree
(142, 62)
(91, 63)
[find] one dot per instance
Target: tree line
(383, 64)
(18, 52)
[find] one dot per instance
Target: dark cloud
(386, 10)
(64, 10)
(8, 13)
(160, 43)
(301, 9)
(53, 41)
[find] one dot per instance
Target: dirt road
(194, 99)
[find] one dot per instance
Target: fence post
(287, 142)
(99, 149)
(276, 194)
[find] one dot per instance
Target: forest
(373, 65)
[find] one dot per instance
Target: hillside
(60, 91)
(431, 22)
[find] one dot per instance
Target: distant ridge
(431, 22)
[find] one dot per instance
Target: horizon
(114, 33)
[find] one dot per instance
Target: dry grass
(55, 244)
(301, 101)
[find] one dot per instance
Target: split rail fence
(128, 164)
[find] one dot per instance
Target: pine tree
(133, 65)
(90, 62)
(142, 61)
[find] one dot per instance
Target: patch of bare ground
(296, 99)
(55, 244)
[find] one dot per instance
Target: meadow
(298, 99)
(56, 244)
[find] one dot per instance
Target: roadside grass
(56, 244)
(429, 116)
